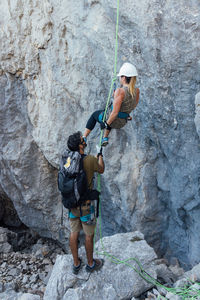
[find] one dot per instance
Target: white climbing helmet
(128, 70)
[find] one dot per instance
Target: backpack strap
(81, 167)
(81, 161)
(81, 211)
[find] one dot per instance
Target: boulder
(115, 280)
(5, 246)
(188, 277)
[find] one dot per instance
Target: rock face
(56, 62)
(26, 178)
(197, 116)
(125, 283)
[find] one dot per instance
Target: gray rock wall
(26, 176)
(197, 115)
(56, 63)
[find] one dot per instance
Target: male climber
(91, 165)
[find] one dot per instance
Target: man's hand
(100, 159)
(99, 150)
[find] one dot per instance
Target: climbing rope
(185, 292)
(114, 71)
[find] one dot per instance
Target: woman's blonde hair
(131, 86)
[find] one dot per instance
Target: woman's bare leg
(86, 132)
(106, 133)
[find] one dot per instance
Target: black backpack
(72, 180)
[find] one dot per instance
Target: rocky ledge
(43, 271)
(116, 280)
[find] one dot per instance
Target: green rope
(185, 292)
(115, 67)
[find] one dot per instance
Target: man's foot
(97, 264)
(75, 269)
(104, 142)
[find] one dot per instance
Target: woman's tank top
(128, 104)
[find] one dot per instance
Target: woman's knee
(96, 114)
(93, 119)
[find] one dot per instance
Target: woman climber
(125, 100)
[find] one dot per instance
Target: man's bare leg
(73, 242)
(89, 252)
(89, 248)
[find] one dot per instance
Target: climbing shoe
(97, 264)
(85, 139)
(104, 142)
(75, 269)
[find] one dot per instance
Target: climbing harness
(122, 115)
(185, 292)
